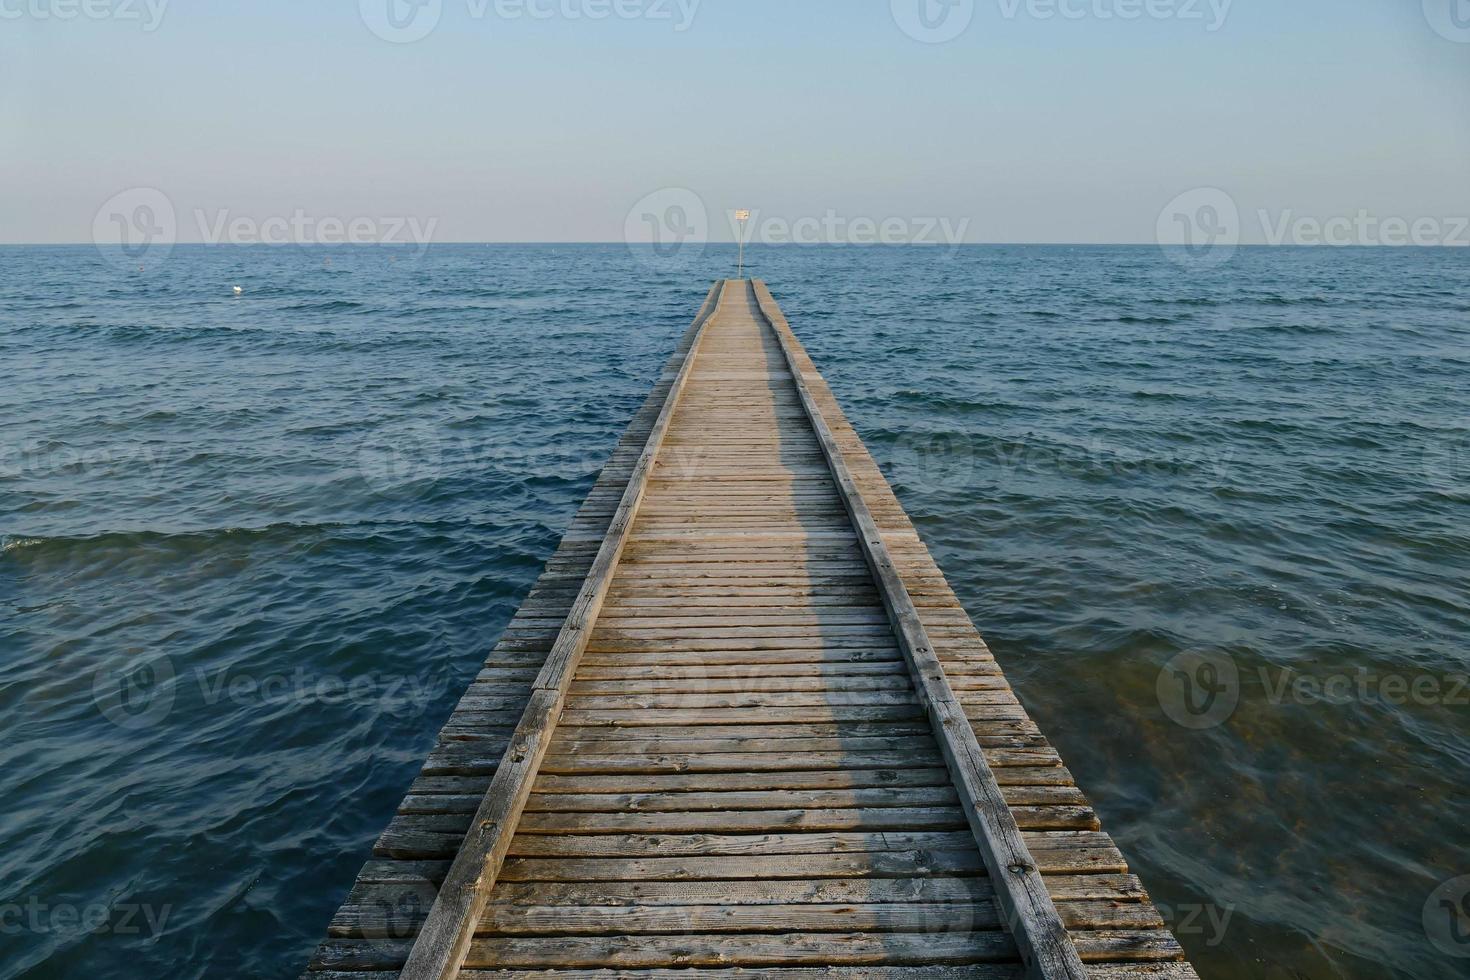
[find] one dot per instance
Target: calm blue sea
(1216, 524)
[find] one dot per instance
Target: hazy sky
(1042, 121)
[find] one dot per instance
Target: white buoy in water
(239, 291)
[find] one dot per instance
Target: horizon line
(731, 244)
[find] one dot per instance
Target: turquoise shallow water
(252, 549)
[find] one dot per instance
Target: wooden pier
(741, 727)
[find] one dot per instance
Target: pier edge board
(1043, 941)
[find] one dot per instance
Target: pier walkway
(741, 728)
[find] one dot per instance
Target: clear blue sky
(534, 130)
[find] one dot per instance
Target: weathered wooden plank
(671, 778)
(379, 891)
(437, 835)
(882, 864)
(1100, 971)
(651, 920)
(714, 949)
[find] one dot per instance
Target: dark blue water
(252, 549)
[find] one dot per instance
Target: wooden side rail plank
(1036, 926)
(449, 931)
